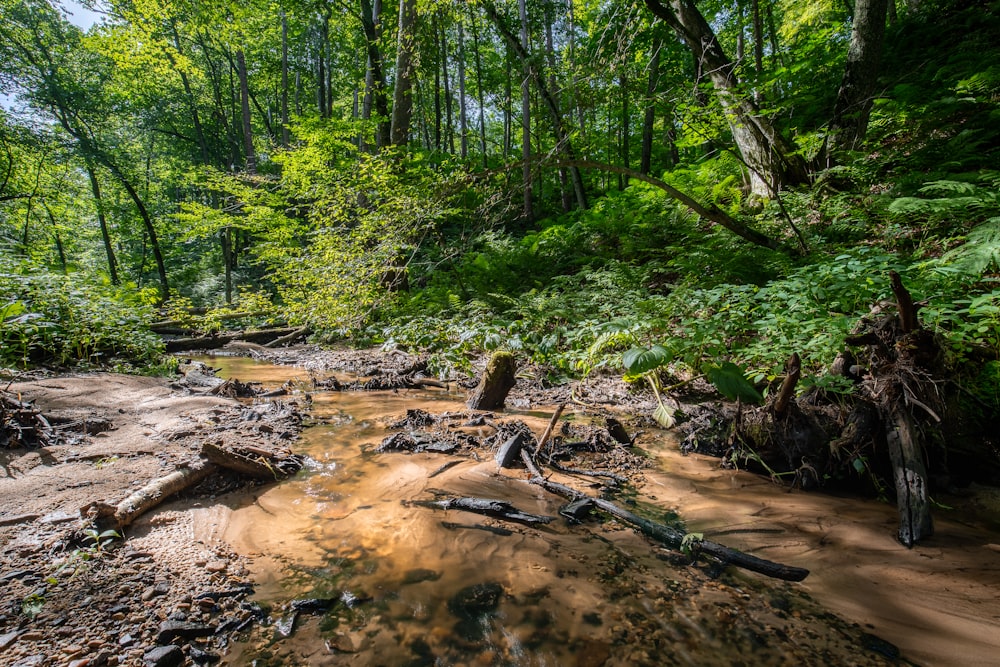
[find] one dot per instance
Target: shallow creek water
(574, 595)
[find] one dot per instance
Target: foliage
(60, 320)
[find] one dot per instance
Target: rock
(31, 661)
(203, 657)
(216, 566)
(476, 600)
(8, 639)
(163, 656)
(170, 630)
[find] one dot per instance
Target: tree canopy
(727, 179)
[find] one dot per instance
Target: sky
(79, 15)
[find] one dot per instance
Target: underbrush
(52, 319)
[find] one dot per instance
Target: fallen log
(214, 342)
(498, 509)
(301, 332)
(262, 465)
(116, 517)
(671, 537)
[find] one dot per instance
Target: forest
(667, 190)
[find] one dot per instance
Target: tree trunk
(525, 110)
(498, 379)
(109, 251)
(241, 72)
(437, 89)
(565, 196)
(771, 158)
(857, 89)
(402, 102)
(479, 91)
(324, 42)
(449, 123)
(623, 132)
(285, 137)
(463, 117)
(375, 75)
(649, 117)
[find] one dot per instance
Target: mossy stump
(498, 380)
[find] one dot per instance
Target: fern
(981, 249)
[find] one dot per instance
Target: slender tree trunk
(463, 116)
(525, 113)
(58, 238)
(481, 98)
(324, 44)
(857, 89)
(437, 88)
(285, 137)
(241, 69)
(402, 103)
(624, 131)
(147, 221)
(370, 22)
(758, 36)
(565, 194)
(449, 124)
(95, 188)
(649, 116)
(508, 105)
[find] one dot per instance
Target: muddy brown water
(343, 526)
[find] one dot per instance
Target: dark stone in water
(420, 574)
(476, 600)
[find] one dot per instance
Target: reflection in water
(412, 585)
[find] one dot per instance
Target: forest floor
(173, 592)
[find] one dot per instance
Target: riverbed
(402, 575)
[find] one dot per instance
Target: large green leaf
(640, 360)
(731, 381)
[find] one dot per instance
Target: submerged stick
(668, 536)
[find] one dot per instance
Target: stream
(419, 586)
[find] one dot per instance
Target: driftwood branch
(668, 536)
(498, 509)
(153, 494)
(793, 368)
(548, 429)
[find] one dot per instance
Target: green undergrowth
(64, 320)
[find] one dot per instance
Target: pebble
(118, 616)
(95, 644)
(83, 662)
(216, 566)
(33, 636)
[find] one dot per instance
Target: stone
(170, 630)
(163, 656)
(8, 639)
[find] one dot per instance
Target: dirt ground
(170, 594)
(64, 599)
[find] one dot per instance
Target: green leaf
(639, 360)
(731, 381)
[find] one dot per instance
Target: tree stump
(498, 380)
